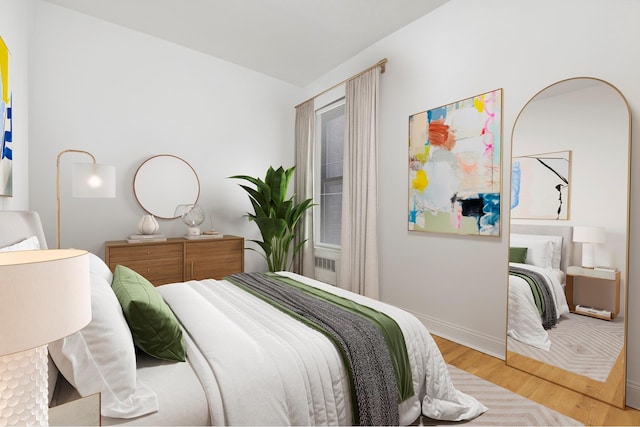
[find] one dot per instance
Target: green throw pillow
(153, 325)
(518, 255)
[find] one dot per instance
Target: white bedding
(259, 366)
(524, 323)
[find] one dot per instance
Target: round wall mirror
(163, 182)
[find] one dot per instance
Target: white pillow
(99, 268)
(556, 245)
(28, 244)
(539, 252)
(101, 358)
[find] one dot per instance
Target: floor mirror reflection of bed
(555, 132)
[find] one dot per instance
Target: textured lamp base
(24, 388)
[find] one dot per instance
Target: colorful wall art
(6, 149)
(454, 167)
(540, 186)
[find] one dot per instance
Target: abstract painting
(6, 149)
(540, 186)
(454, 167)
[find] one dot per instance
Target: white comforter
(259, 366)
(525, 324)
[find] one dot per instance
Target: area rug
(505, 407)
(580, 344)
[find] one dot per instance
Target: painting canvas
(454, 167)
(540, 186)
(6, 150)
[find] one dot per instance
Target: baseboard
(473, 339)
(633, 394)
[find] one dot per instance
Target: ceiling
(296, 41)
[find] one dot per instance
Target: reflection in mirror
(566, 321)
(163, 182)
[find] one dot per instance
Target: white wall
(16, 19)
(458, 285)
(125, 96)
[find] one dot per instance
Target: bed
(538, 259)
(246, 362)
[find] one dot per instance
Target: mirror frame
(171, 174)
(613, 390)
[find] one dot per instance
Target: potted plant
(276, 216)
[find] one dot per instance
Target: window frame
(317, 179)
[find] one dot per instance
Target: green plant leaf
(275, 215)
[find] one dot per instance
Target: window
(329, 162)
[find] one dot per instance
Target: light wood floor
(577, 406)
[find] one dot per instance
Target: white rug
(580, 344)
(505, 407)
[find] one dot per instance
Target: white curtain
(359, 246)
(304, 262)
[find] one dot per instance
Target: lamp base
(193, 231)
(25, 389)
(587, 255)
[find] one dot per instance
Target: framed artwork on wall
(6, 149)
(540, 186)
(455, 167)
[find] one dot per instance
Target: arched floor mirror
(569, 224)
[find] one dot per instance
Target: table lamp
(588, 236)
(44, 296)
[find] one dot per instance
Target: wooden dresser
(179, 259)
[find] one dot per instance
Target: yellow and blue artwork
(6, 150)
(455, 167)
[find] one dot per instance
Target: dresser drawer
(145, 252)
(158, 272)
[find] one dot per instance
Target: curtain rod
(382, 64)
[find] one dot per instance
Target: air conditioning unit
(327, 265)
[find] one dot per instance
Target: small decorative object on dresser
(179, 259)
(139, 238)
(148, 225)
(192, 215)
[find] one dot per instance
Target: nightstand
(81, 412)
(609, 278)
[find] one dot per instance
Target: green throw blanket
(371, 343)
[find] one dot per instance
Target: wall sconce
(44, 296)
(588, 236)
(89, 180)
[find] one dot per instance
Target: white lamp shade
(45, 295)
(586, 234)
(94, 180)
